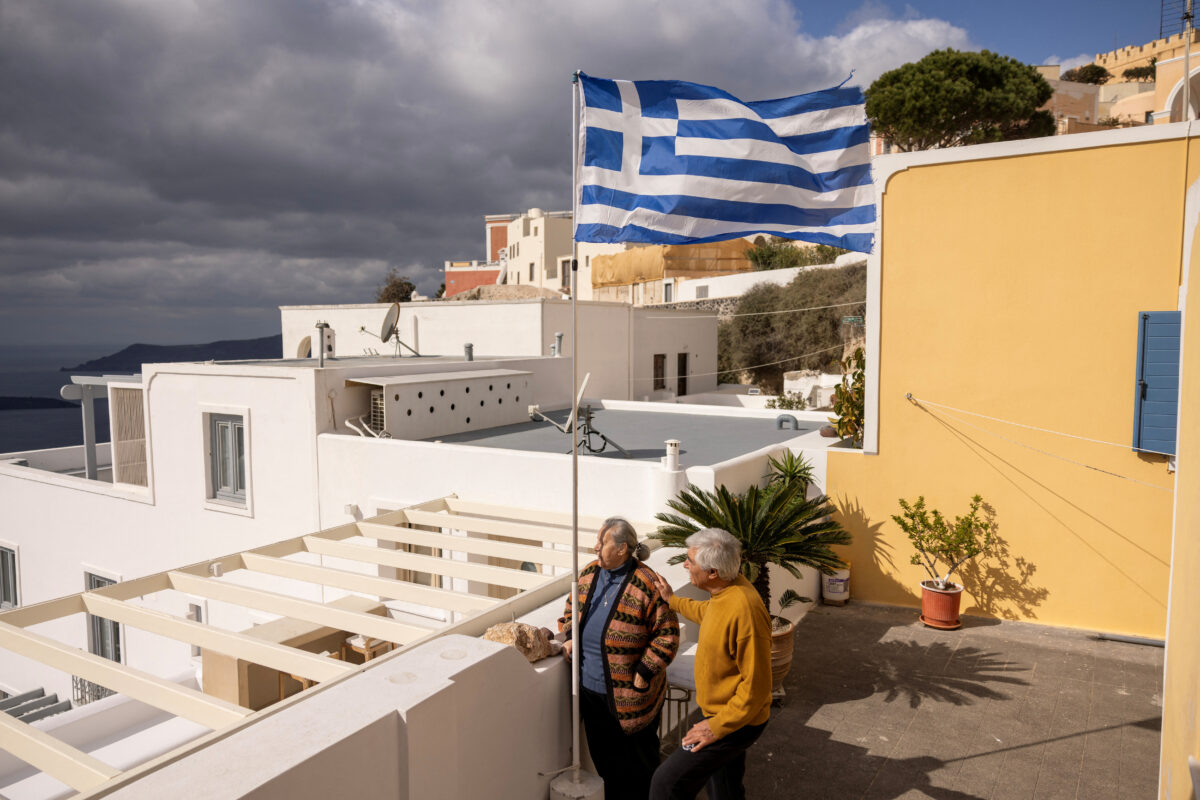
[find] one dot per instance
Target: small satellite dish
(304, 349)
(389, 323)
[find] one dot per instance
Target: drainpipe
(468, 352)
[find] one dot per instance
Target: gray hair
(621, 532)
(716, 549)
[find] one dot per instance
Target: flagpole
(576, 653)
(572, 782)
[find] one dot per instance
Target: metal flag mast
(574, 783)
(576, 655)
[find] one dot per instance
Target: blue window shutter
(1156, 390)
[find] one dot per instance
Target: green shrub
(849, 399)
(788, 401)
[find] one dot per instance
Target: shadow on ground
(878, 706)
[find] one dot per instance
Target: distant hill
(131, 358)
(28, 403)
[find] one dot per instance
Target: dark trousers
(625, 763)
(721, 765)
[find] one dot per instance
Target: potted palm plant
(937, 540)
(776, 525)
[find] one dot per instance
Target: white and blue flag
(671, 162)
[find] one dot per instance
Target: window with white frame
(104, 635)
(8, 578)
(227, 458)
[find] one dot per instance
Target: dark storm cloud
(170, 167)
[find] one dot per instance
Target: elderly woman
(628, 637)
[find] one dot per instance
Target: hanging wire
(744, 369)
(923, 404)
(760, 313)
(1034, 427)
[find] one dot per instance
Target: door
(681, 362)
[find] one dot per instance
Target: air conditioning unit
(376, 419)
(426, 405)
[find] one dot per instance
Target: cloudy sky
(174, 170)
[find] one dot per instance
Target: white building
(538, 247)
(249, 517)
(631, 353)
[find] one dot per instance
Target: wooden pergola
(446, 525)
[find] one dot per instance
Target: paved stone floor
(879, 706)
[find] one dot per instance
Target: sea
(35, 371)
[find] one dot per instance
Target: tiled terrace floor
(880, 706)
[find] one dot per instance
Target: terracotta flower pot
(782, 646)
(939, 607)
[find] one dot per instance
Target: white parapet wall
(458, 717)
(364, 472)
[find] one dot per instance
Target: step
(18, 699)
(47, 711)
(31, 705)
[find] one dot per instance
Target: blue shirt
(606, 589)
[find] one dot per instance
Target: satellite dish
(389, 323)
(304, 349)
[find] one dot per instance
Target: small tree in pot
(952, 544)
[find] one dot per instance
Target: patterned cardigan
(641, 636)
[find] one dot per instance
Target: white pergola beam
(587, 522)
(372, 625)
(39, 749)
(247, 648)
(203, 709)
(474, 545)
(43, 612)
(468, 544)
(368, 584)
(513, 530)
(496, 576)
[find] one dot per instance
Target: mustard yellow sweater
(733, 656)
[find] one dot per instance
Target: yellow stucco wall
(1006, 292)
(1181, 683)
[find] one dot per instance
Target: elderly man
(733, 673)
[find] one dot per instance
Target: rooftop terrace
(879, 706)
(705, 439)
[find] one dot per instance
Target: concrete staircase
(33, 705)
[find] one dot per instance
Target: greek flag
(670, 162)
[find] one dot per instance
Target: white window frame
(16, 575)
(214, 498)
(118, 628)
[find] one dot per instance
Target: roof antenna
(390, 331)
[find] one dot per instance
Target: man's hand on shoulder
(663, 587)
